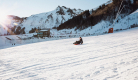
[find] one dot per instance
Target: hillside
(76, 21)
(127, 22)
(50, 19)
(105, 12)
(105, 57)
(101, 28)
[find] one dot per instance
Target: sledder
(78, 42)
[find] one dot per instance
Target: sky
(26, 8)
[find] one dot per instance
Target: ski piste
(104, 57)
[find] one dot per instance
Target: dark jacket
(81, 41)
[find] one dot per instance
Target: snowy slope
(50, 19)
(43, 20)
(2, 30)
(103, 26)
(9, 40)
(61, 14)
(105, 57)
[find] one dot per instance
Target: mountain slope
(102, 27)
(112, 56)
(95, 21)
(106, 12)
(50, 19)
(44, 20)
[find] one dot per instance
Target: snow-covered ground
(9, 40)
(104, 57)
(17, 40)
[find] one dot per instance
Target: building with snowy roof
(43, 33)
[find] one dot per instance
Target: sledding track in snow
(103, 57)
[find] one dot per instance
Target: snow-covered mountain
(43, 20)
(130, 21)
(47, 20)
(95, 21)
(50, 19)
(127, 22)
(103, 17)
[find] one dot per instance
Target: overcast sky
(26, 8)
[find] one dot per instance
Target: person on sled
(79, 42)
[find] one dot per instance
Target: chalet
(43, 33)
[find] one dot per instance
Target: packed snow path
(104, 57)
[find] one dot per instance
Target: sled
(78, 44)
